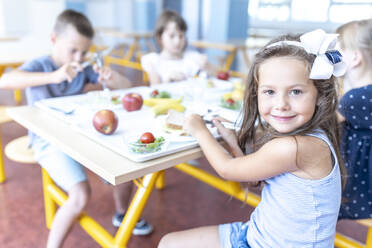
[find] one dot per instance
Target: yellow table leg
(17, 96)
(344, 242)
(160, 182)
(2, 170)
(369, 238)
(135, 210)
(231, 188)
(50, 205)
(54, 195)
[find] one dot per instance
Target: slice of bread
(175, 120)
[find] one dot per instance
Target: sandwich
(174, 123)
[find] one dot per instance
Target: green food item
(139, 147)
(115, 100)
(163, 94)
(210, 84)
(236, 105)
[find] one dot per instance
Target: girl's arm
(154, 78)
(206, 66)
(113, 79)
(275, 157)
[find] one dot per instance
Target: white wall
(14, 22)
(36, 17)
(43, 14)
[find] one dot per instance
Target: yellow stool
(3, 119)
(18, 150)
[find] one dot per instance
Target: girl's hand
(228, 135)
(203, 61)
(175, 76)
(194, 124)
(67, 72)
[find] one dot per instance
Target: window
(303, 15)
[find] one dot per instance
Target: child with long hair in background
(356, 118)
(173, 63)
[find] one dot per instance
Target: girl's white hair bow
(328, 60)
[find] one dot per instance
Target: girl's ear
(356, 59)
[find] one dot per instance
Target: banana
(155, 101)
(162, 108)
(237, 95)
(226, 96)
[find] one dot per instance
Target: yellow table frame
(234, 189)
(54, 195)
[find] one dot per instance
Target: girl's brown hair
(357, 35)
(324, 117)
(166, 17)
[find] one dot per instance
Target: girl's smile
(286, 96)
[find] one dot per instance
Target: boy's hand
(67, 72)
(104, 73)
(194, 124)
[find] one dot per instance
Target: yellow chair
(110, 60)
(20, 151)
(17, 150)
(17, 93)
(129, 50)
(342, 241)
(4, 118)
(225, 62)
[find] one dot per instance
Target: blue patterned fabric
(356, 107)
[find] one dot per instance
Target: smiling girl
(291, 94)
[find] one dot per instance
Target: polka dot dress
(356, 107)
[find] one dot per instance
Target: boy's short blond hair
(79, 21)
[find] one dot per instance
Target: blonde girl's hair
(324, 117)
(166, 17)
(357, 35)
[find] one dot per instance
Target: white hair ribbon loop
(328, 60)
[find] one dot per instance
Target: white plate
(188, 138)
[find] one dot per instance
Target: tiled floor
(184, 203)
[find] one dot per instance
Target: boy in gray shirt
(61, 74)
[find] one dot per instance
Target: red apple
(223, 75)
(132, 101)
(105, 121)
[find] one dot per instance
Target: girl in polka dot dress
(356, 115)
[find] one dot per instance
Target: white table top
(106, 163)
(111, 165)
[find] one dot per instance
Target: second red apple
(132, 102)
(223, 75)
